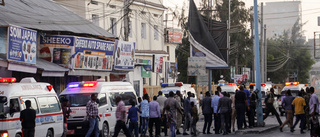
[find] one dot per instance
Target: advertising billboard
(124, 55)
(174, 36)
(57, 49)
(157, 63)
(196, 66)
(93, 54)
(22, 45)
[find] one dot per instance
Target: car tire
(105, 132)
(18, 135)
(49, 133)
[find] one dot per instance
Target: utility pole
(228, 32)
(253, 65)
(257, 56)
(261, 43)
(237, 56)
(126, 20)
(265, 52)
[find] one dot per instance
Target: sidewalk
(271, 123)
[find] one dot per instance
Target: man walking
(145, 114)
(155, 115)
(92, 113)
(241, 105)
(178, 97)
(207, 112)
(161, 99)
(314, 110)
(269, 106)
(216, 112)
(224, 107)
(187, 114)
(287, 105)
(299, 103)
(173, 106)
(27, 118)
(121, 118)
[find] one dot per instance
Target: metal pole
(210, 80)
(126, 20)
(265, 52)
(228, 33)
(257, 56)
(104, 17)
(261, 43)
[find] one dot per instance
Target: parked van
(44, 100)
(78, 94)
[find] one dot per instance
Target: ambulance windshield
(77, 100)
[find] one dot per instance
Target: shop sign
(157, 63)
(22, 44)
(57, 49)
(172, 70)
(93, 54)
(202, 80)
(174, 37)
(124, 55)
(146, 69)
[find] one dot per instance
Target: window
(155, 15)
(102, 99)
(130, 28)
(143, 30)
(34, 104)
(112, 6)
(125, 96)
(113, 26)
(49, 104)
(112, 97)
(156, 32)
(14, 106)
(168, 51)
(95, 19)
(3, 100)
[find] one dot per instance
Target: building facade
(146, 29)
(281, 16)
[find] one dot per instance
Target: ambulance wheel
(18, 135)
(49, 133)
(105, 130)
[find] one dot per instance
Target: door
(113, 107)
(14, 113)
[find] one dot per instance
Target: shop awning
(22, 68)
(50, 69)
(88, 73)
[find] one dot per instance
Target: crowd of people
(167, 114)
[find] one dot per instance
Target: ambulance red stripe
(14, 119)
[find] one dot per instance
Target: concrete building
(147, 30)
(281, 16)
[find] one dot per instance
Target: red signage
(174, 37)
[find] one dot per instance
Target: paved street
(270, 121)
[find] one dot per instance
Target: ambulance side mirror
(6, 109)
(98, 101)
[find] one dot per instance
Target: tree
(288, 55)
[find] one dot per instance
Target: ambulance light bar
(90, 83)
(291, 83)
(179, 84)
(232, 84)
(263, 85)
(49, 87)
(73, 84)
(8, 80)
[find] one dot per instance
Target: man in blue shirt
(145, 114)
(216, 112)
(250, 118)
(133, 116)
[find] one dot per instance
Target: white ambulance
(78, 94)
(49, 117)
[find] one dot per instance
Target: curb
(258, 131)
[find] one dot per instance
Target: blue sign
(93, 54)
(124, 55)
(22, 44)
